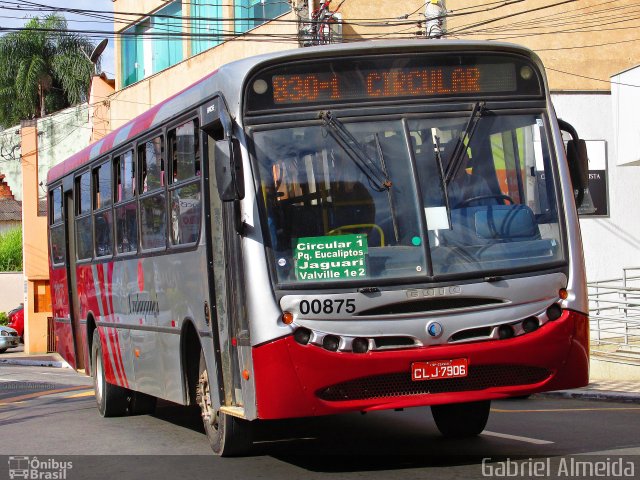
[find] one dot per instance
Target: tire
(460, 420)
(141, 404)
(228, 436)
(2, 350)
(112, 400)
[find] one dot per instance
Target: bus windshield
(329, 220)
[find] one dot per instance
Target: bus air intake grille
(400, 384)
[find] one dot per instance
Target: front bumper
(294, 380)
(9, 341)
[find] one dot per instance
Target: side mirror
(578, 167)
(578, 161)
(228, 166)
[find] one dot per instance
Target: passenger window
(84, 238)
(57, 244)
(83, 194)
(103, 224)
(102, 196)
(56, 232)
(185, 152)
(84, 226)
(125, 170)
(152, 166)
(103, 216)
(127, 228)
(153, 221)
(55, 205)
(186, 205)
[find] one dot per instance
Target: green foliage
(43, 68)
(11, 251)
(4, 319)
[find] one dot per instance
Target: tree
(43, 69)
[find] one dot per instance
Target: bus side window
(184, 151)
(153, 222)
(56, 228)
(103, 216)
(152, 166)
(84, 227)
(185, 197)
(126, 214)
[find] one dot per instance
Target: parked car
(9, 338)
(16, 320)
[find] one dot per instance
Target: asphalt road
(50, 413)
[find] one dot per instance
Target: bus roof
(229, 79)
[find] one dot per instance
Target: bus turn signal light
(563, 294)
(287, 318)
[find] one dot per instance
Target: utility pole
(435, 14)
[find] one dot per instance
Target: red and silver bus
(356, 227)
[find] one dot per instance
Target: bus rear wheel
(461, 419)
(228, 436)
(112, 400)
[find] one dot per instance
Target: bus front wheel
(461, 419)
(112, 400)
(228, 436)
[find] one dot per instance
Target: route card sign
(334, 257)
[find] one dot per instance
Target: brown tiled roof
(10, 210)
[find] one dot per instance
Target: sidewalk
(606, 390)
(16, 356)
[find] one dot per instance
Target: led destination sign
(402, 82)
(342, 80)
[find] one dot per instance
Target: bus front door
(74, 303)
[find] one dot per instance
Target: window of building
(252, 13)
(41, 296)
(206, 25)
(152, 45)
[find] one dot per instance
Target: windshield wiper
(356, 152)
(455, 160)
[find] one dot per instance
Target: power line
(593, 78)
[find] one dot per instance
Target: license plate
(439, 369)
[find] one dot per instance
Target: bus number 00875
(327, 306)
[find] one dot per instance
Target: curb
(34, 363)
(603, 395)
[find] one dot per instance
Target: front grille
(400, 384)
(13, 334)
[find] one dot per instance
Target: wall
(561, 35)
(12, 288)
(626, 104)
(613, 242)
(45, 142)
(7, 226)
(10, 160)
